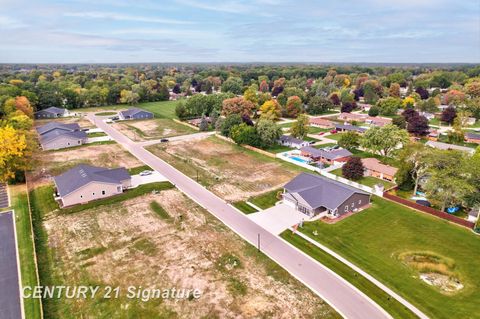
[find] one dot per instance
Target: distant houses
(378, 121)
(373, 167)
(350, 117)
(320, 122)
(53, 136)
(51, 112)
(85, 183)
(135, 114)
(349, 128)
(445, 146)
(290, 141)
(326, 156)
(315, 195)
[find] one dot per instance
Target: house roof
(374, 164)
(320, 121)
(318, 191)
(53, 109)
(350, 128)
(82, 174)
(57, 126)
(330, 155)
(473, 136)
(291, 139)
(51, 135)
(353, 116)
(380, 121)
(131, 112)
(445, 146)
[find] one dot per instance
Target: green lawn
(277, 148)
(97, 134)
(244, 207)
(162, 109)
(367, 180)
(25, 247)
(266, 200)
(139, 169)
(316, 130)
(335, 136)
(375, 238)
(106, 113)
(324, 145)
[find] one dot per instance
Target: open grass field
(222, 167)
(162, 241)
(397, 245)
(367, 180)
(143, 130)
(25, 247)
(335, 136)
(163, 109)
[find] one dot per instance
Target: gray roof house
(85, 183)
(291, 141)
(135, 114)
(316, 195)
(51, 112)
(54, 136)
(347, 127)
(446, 146)
(326, 156)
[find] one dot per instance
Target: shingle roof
(131, 112)
(374, 164)
(350, 128)
(471, 135)
(53, 109)
(446, 146)
(291, 139)
(83, 174)
(318, 191)
(60, 126)
(330, 155)
(320, 121)
(56, 133)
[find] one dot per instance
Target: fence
(429, 210)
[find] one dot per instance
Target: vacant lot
(152, 129)
(232, 172)
(48, 164)
(162, 241)
(428, 261)
(80, 120)
(162, 109)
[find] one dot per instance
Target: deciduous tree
(353, 169)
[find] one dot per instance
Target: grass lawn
(335, 136)
(376, 238)
(139, 169)
(286, 125)
(444, 139)
(106, 113)
(393, 307)
(316, 130)
(25, 247)
(244, 207)
(266, 200)
(324, 145)
(367, 180)
(97, 134)
(162, 109)
(277, 148)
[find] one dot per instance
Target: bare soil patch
(230, 171)
(127, 244)
(143, 130)
(83, 122)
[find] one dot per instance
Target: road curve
(347, 300)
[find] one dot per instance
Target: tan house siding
(62, 142)
(93, 191)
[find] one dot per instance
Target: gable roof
(53, 110)
(131, 112)
(446, 146)
(57, 133)
(291, 139)
(57, 126)
(473, 136)
(320, 121)
(350, 128)
(330, 155)
(318, 191)
(82, 174)
(374, 164)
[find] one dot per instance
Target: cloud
(222, 6)
(10, 23)
(123, 17)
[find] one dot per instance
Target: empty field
(143, 130)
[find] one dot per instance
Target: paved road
(3, 196)
(10, 304)
(346, 299)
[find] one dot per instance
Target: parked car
(425, 203)
(321, 133)
(146, 173)
(163, 140)
(333, 131)
(335, 147)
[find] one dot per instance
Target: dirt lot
(48, 164)
(143, 130)
(82, 121)
(224, 167)
(128, 244)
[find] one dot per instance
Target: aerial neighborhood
(355, 172)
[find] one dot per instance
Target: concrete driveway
(278, 218)
(138, 180)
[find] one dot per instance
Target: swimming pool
(299, 159)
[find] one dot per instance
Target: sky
(122, 31)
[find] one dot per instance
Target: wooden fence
(429, 210)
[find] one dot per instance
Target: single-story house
(378, 121)
(350, 117)
(351, 128)
(85, 183)
(326, 156)
(473, 215)
(472, 137)
(446, 146)
(427, 115)
(470, 121)
(433, 135)
(290, 141)
(54, 136)
(51, 112)
(364, 106)
(320, 122)
(373, 167)
(316, 195)
(135, 114)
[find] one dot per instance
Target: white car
(146, 173)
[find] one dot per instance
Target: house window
(359, 202)
(78, 142)
(103, 192)
(68, 143)
(93, 194)
(81, 196)
(353, 205)
(346, 208)
(119, 188)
